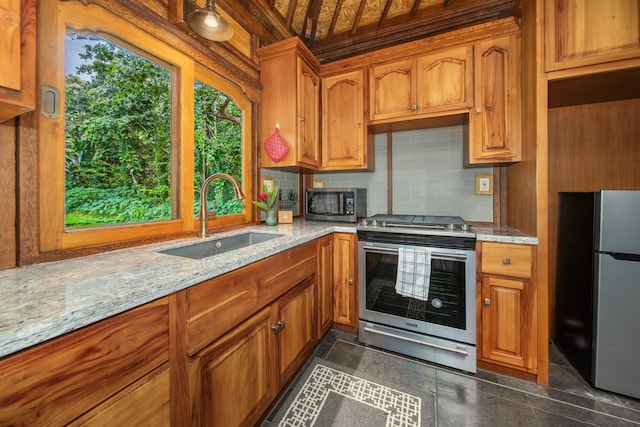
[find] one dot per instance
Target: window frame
(51, 139)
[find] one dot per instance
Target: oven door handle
(433, 254)
(440, 347)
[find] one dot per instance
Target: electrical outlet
(484, 184)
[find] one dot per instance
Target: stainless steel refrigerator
(597, 289)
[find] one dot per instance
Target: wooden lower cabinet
(325, 286)
(507, 307)
(113, 372)
(295, 329)
(507, 322)
(344, 280)
(237, 377)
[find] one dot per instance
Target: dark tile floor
(488, 398)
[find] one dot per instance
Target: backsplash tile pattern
(288, 182)
(428, 176)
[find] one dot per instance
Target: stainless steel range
(417, 287)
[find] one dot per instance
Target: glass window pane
(117, 134)
(218, 148)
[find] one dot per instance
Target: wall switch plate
(484, 184)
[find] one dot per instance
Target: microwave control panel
(349, 206)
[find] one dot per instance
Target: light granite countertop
(43, 301)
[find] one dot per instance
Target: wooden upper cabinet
(290, 98)
(18, 63)
(393, 89)
(343, 128)
(445, 80)
(586, 32)
(308, 110)
(495, 121)
(421, 85)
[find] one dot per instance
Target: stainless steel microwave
(335, 204)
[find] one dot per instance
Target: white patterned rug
(326, 395)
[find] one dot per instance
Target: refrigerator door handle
(623, 257)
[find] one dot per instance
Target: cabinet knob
(506, 261)
(478, 109)
(278, 327)
(414, 107)
(350, 281)
(487, 301)
(302, 118)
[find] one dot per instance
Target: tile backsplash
(428, 177)
(288, 182)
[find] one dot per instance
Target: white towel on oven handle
(414, 273)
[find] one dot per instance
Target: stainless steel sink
(218, 246)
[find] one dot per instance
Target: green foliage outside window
(118, 138)
(218, 147)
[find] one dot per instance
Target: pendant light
(209, 23)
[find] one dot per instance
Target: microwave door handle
(341, 203)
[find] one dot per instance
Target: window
(117, 134)
(217, 147)
(222, 135)
(123, 161)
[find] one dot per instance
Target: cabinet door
(143, 403)
(587, 32)
(445, 80)
(344, 282)
(308, 113)
(325, 285)
(496, 120)
(17, 53)
(297, 330)
(237, 374)
(508, 322)
(343, 131)
(58, 381)
(392, 89)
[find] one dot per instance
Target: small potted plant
(267, 203)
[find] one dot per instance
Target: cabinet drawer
(219, 304)
(507, 259)
(58, 381)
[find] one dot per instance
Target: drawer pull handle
(506, 261)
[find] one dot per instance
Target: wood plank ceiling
(337, 29)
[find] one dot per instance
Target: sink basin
(218, 246)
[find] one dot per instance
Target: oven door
(450, 310)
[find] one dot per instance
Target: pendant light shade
(209, 23)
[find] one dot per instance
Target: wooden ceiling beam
(258, 17)
(291, 11)
(334, 18)
(313, 14)
(385, 12)
(415, 7)
(399, 29)
(356, 20)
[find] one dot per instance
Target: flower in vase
(267, 199)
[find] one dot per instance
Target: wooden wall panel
(8, 194)
(591, 147)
